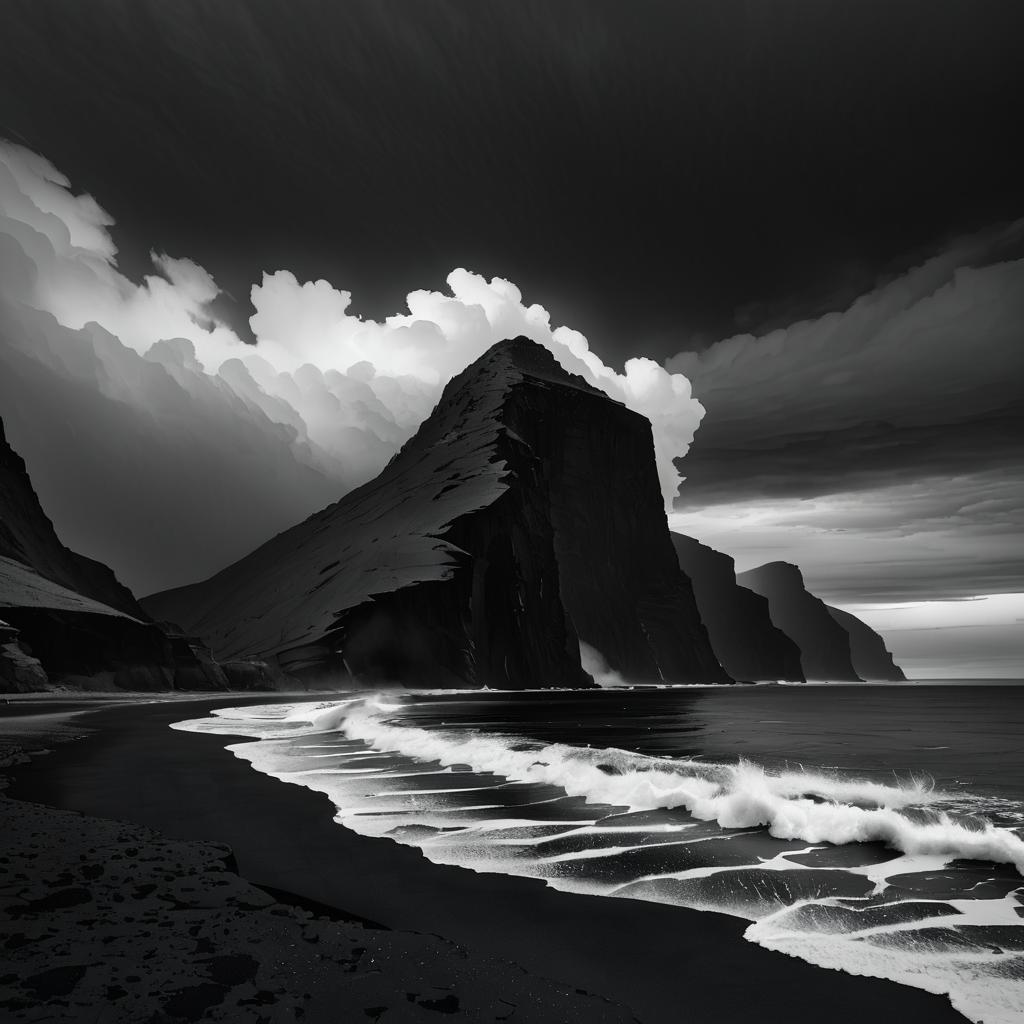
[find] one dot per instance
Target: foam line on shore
(805, 806)
(799, 904)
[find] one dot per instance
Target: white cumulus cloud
(326, 392)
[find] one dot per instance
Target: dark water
(873, 829)
(965, 737)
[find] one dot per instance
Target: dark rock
(76, 639)
(824, 644)
(19, 671)
(57, 981)
(525, 516)
(194, 665)
(28, 536)
(871, 659)
(67, 620)
(738, 621)
(253, 675)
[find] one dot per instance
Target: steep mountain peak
(523, 517)
(520, 357)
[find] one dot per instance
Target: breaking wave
(803, 805)
(901, 881)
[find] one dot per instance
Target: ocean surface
(877, 830)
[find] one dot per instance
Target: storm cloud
(691, 169)
(880, 446)
(933, 538)
(166, 446)
(921, 375)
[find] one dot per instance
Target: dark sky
(657, 174)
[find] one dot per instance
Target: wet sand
(666, 964)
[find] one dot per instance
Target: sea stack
(524, 517)
(824, 644)
(743, 636)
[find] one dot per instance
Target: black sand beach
(666, 964)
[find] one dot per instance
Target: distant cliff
(524, 516)
(824, 644)
(871, 658)
(738, 621)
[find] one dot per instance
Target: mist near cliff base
(596, 666)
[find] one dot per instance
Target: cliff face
(871, 658)
(49, 634)
(824, 644)
(65, 618)
(738, 621)
(28, 536)
(523, 517)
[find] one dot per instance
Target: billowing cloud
(165, 445)
(443, 332)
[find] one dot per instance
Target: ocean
(874, 829)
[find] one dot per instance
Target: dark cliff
(871, 658)
(65, 618)
(824, 644)
(28, 536)
(523, 517)
(738, 621)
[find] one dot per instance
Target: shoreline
(111, 918)
(663, 963)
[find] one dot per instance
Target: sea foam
(430, 788)
(813, 808)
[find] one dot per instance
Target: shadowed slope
(28, 536)
(65, 618)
